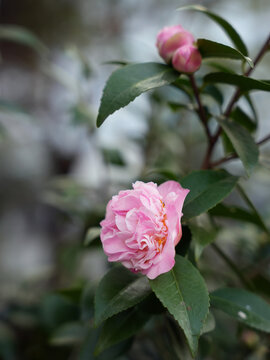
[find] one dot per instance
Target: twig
(201, 111)
(234, 99)
(234, 155)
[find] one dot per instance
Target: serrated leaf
(227, 27)
(210, 49)
(242, 82)
(130, 81)
(92, 234)
(22, 36)
(209, 324)
(119, 290)
(244, 306)
(201, 238)
(244, 145)
(207, 189)
(183, 292)
(121, 327)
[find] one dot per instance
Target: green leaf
(22, 36)
(183, 292)
(242, 82)
(92, 234)
(207, 189)
(201, 237)
(242, 118)
(121, 327)
(68, 334)
(243, 143)
(119, 290)
(229, 30)
(236, 213)
(178, 106)
(210, 49)
(130, 81)
(113, 156)
(209, 324)
(244, 306)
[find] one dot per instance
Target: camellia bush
(153, 230)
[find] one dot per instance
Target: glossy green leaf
(207, 189)
(244, 306)
(242, 118)
(236, 213)
(183, 292)
(22, 36)
(210, 49)
(227, 27)
(201, 238)
(121, 327)
(243, 143)
(209, 324)
(130, 81)
(119, 290)
(92, 234)
(242, 82)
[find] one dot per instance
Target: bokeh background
(57, 171)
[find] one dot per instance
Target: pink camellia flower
(170, 39)
(142, 227)
(187, 59)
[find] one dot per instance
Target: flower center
(161, 238)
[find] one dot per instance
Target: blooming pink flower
(170, 39)
(142, 227)
(187, 59)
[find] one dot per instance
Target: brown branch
(234, 155)
(201, 111)
(234, 99)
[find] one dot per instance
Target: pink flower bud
(170, 39)
(187, 59)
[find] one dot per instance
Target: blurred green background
(57, 171)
